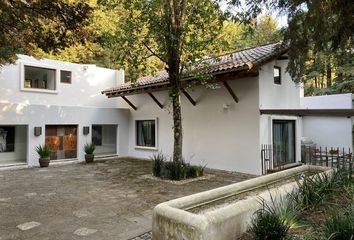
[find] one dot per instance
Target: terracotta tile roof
(246, 59)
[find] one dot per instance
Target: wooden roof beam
(155, 100)
(188, 97)
(229, 89)
(130, 103)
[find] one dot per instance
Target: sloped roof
(246, 59)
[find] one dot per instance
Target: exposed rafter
(130, 103)
(188, 96)
(229, 89)
(155, 100)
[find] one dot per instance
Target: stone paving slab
(105, 200)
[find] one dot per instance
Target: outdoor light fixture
(86, 130)
(37, 131)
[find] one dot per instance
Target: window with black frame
(277, 75)
(146, 133)
(65, 76)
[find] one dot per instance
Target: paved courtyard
(106, 200)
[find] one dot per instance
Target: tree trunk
(177, 124)
(329, 75)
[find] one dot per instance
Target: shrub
(191, 171)
(175, 170)
(89, 148)
(313, 190)
(287, 211)
(340, 225)
(267, 225)
(43, 151)
(157, 164)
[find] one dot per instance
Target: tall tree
(45, 24)
(177, 32)
(314, 27)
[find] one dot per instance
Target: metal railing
(327, 157)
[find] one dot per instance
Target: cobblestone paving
(102, 201)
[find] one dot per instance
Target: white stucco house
(60, 104)
(47, 101)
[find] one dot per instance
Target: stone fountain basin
(224, 213)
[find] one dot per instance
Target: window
(97, 135)
(146, 133)
(277, 75)
(39, 78)
(283, 142)
(7, 139)
(65, 76)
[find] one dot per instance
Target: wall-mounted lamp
(37, 131)
(86, 130)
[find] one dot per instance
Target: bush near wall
(324, 193)
(171, 170)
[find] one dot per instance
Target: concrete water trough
(223, 213)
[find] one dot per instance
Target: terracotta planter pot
(44, 162)
(89, 158)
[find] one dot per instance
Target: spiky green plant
(267, 225)
(89, 148)
(287, 211)
(43, 151)
(340, 225)
(158, 164)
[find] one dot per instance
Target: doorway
(283, 142)
(104, 137)
(62, 141)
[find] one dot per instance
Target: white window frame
(156, 134)
(39, 90)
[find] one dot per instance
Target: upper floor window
(39, 78)
(277, 75)
(146, 133)
(65, 76)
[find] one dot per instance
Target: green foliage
(314, 190)
(286, 209)
(174, 170)
(26, 26)
(89, 148)
(267, 225)
(340, 225)
(43, 151)
(158, 161)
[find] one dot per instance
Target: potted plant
(89, 149)
(43, 153)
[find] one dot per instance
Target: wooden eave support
(155, 100)
(130, 103)
(188, 96)
(229, 89)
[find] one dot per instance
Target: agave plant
(43, 151)
(89, 148)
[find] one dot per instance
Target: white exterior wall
(85, 90)
(213, 135)
(336, 101)
(274, 96)
(39, 116)
(266, 131)
(329, 131)
(79, 103)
